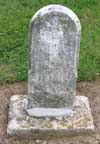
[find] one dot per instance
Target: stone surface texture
(54, 47)
(24, 126)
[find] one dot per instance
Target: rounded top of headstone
(58, 9)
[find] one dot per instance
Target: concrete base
(21, 125)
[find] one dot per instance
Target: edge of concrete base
(21, 125)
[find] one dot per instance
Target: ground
(92, 90)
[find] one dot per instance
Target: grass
(15, 16)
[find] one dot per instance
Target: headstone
(54, 47)
(51, 107)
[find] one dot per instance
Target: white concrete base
(24, 126)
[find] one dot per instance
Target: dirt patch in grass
(92, 90)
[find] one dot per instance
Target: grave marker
(51, 107)
(54, 47)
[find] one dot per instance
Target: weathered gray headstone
(54, 47)
(52, 107)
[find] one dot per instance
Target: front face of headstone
(54, 47)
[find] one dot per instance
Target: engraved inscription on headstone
(54, 46)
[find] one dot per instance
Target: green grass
(15, 16)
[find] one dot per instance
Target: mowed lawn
(15, 16)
